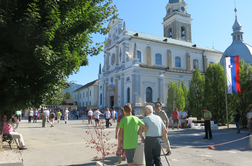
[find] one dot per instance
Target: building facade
(86, 96)
(139, 66)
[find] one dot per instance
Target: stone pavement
(65, 145)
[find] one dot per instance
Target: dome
(238, 48)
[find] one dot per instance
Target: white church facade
(139, 66)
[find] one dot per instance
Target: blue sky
(211, 26)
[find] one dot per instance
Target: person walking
(77, 114)
(66, 113)
(44, 117)
(113, 114)
(156, 131)
(175, 118)
(107, 117)
(249, 118)
(128, 129)
(97, 114)
(90, 114)
(58, 115)
(161, 113)
(30, 115)
(237, 120)
(52, 117)
(35, 116)
(207, 117)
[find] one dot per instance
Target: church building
(139, 66)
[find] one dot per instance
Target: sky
(211, 25)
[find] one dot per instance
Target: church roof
(169, 41)
(87, 85)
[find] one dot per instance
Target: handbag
(139, 156)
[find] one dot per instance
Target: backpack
(52, 116)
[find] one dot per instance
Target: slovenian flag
(233, 78)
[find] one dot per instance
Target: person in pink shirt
(175, 118)
(7, 128)
(121, 152)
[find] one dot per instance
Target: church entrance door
(111, 102)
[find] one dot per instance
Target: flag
(233, 78)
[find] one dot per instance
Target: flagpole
(225, 79)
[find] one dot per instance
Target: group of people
(155, 128)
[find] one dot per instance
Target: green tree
(196, 94)
(67, 95)
(185, 90)
(214, 92)
(42, 43)
(175, 93)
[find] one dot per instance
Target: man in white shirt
(30, 115)
(184, 119)
(180, 116)
(97, 114)
(90, 114)
(107, 116)
(113, 114)
(66, 112)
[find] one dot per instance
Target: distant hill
(72, 88)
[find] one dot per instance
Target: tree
(214, 92)
(196, 94)
(175, 93)
(42, 43)
(185, 90)
(67, 95)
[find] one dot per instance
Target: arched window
(211, 63)
(128, 95)
(100, 99)
(238, 37)
(195, 64)
(158, 59)
(183, 32)
(177, 62)
(148, 95)
(234, 37)
(139, 55)
(170, 33)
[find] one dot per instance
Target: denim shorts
(130, 155)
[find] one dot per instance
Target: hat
(157, 105)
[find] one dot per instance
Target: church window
(158, 59)
(139, 55)
(128, 95)
(195, 64)
(170, 33)
(234, 37)
(211, 63)
(90, 93)
(148, 95)
(183, 32)
(238, 37)
(177, 62)
(100, 99)
(241, 36)
(83, 104)
(113, 59)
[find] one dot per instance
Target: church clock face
(113, 59)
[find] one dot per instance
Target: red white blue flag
(233, 78)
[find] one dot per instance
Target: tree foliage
(214, 92)
(44, 41)
(175, 93)
(196, 94)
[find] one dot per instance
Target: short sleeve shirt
(207, 114)
(155, 125)
(97, 114)
(174, 114)
(162, 115)
(58, 113)
(90, 113)
(130, 124)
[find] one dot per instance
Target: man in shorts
(113, 114)
(175, 118)
(58, 115)
(97, 114)
(128, 128)
(161, 113)
(52, 117)
(90, 114)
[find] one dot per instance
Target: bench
(7, 137)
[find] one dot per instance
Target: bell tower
(177, 22)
